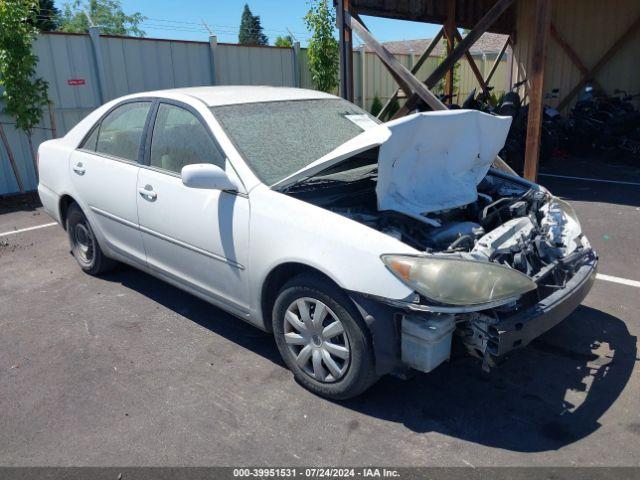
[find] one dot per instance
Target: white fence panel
(242, 65)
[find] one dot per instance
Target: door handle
(148, 193)
(79, 169)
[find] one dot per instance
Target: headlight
(566, 208)
(459, 282)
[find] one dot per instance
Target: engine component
(444, 237)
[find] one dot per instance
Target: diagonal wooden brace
(609, 54)
(416, 68)
(472, 37)
(407, 81)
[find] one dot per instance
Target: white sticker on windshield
(363, 121)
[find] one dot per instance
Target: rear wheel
(322, 338)
(84, 245)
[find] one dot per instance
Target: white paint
(434, 161)
(622, 281)
(586, 179)
(13, 232)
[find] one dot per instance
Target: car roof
(235, 94)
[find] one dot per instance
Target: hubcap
(84, 242)
(317, 340)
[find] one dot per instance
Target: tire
(352, 370)
(84, 244)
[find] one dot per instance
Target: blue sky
(182, 19)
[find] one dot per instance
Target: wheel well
(65, 202)
(274, 282)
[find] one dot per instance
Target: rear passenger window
(179, 139)
(120, 132)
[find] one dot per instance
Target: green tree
(23, 94)
(46, 17)
(106, 14)
(323, 50)
(251, 29)
(286, 41)
(376, 106)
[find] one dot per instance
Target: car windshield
(277, 139)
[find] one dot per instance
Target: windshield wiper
(311, 181)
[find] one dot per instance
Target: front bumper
(512, 331)
(522, 327)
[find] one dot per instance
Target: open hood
(427, 161)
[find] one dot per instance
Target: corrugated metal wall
(591, 27)
(134, 65)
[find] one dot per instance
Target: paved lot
(125, 370)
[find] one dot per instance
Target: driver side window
(179, 138)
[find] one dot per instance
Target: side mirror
(205, 175)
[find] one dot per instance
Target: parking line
(622, 281)
(13, 232)
(586, 179)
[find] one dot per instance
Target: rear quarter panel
(53, 170)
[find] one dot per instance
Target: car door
(197, 237)
(104, 173)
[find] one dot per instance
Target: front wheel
(322, 338)
(84, 245)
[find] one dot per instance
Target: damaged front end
(499, 260)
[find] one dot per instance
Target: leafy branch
(23, 94)
(323, 50)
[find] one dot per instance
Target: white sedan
(364, 247)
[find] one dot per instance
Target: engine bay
(510, 224)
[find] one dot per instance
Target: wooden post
(346, 50)
(536, 79)
(12, 161)
(450, 31)
(363, 75)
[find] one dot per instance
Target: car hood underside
(427, 162)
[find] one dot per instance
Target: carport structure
(556, 44)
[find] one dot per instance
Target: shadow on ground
(25, 202)
(548, 395)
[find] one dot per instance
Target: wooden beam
(415, 69)
(474, 68)
(450, 32)
(407, 81)
(12, 161)
(472, 37)
(495, 65)
(536, 79)
(613, 50)
(571, 53)
(346, 50)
